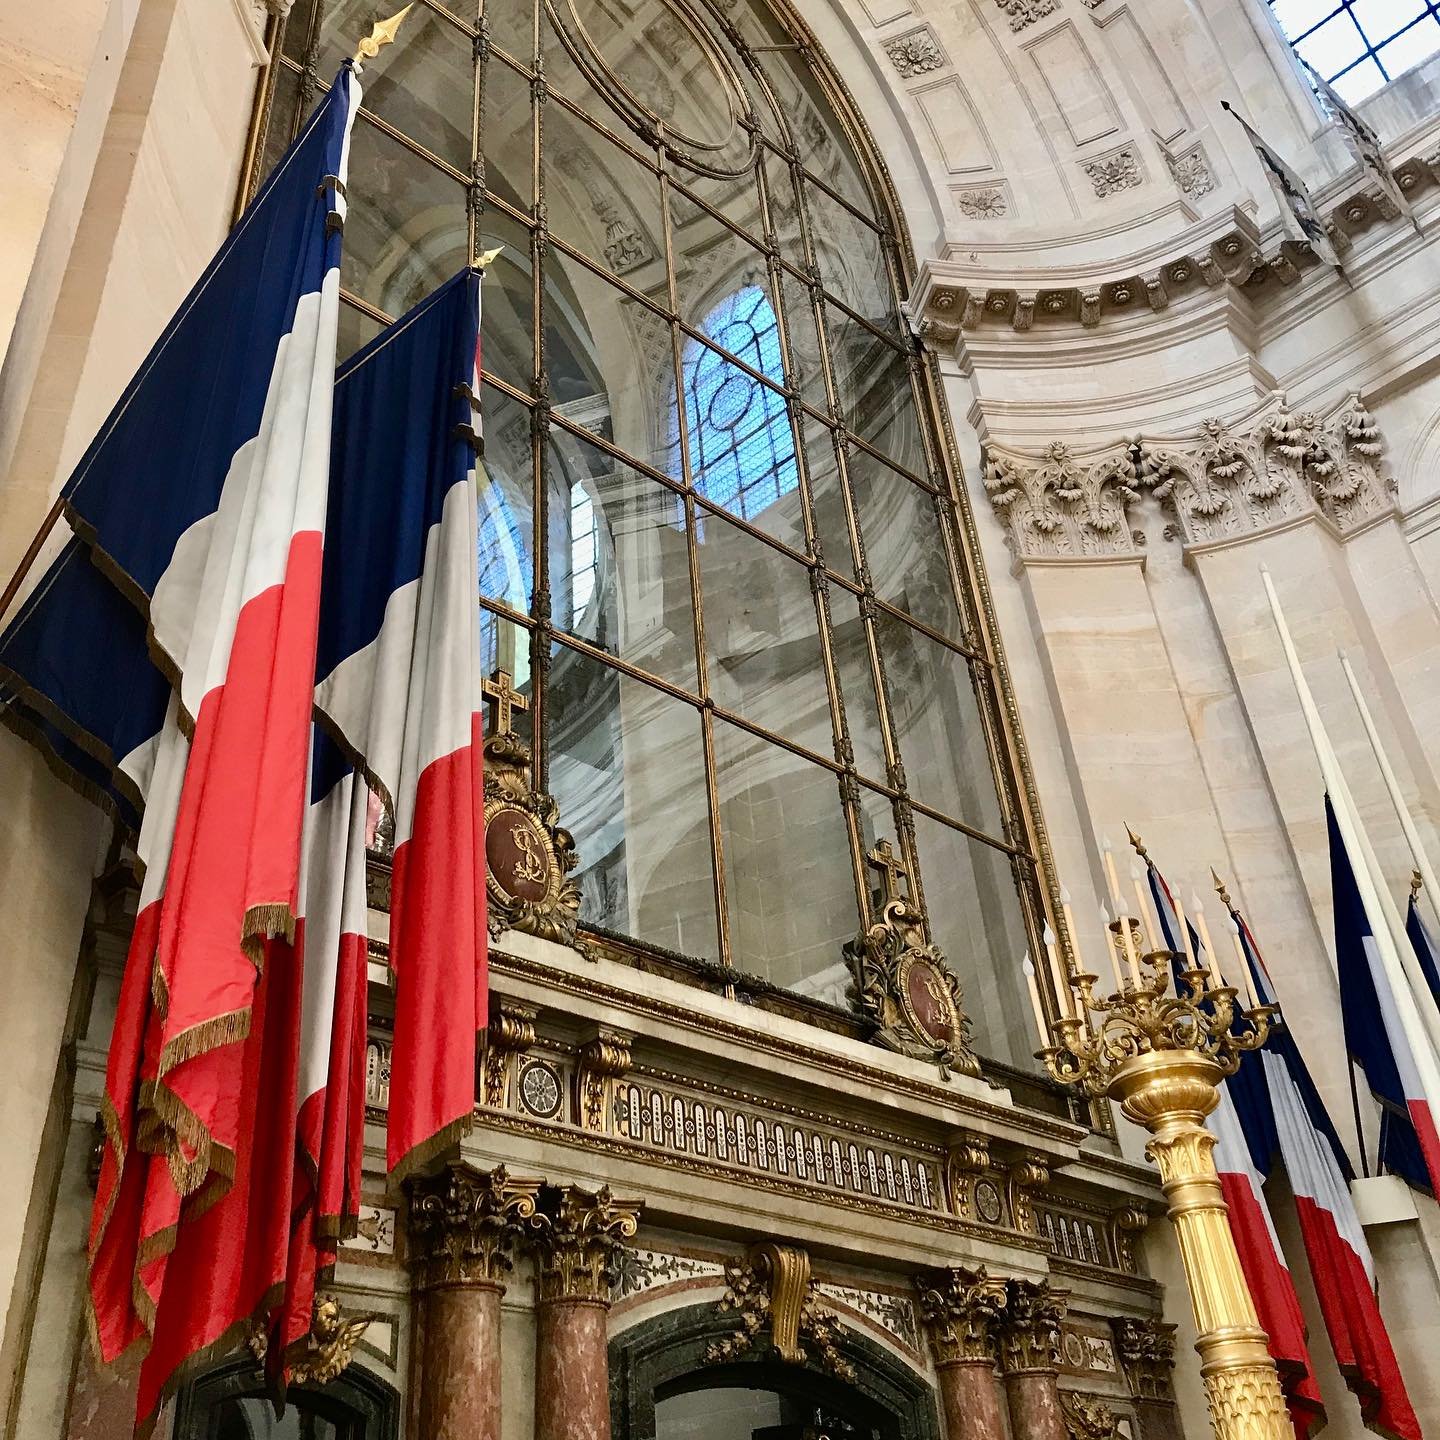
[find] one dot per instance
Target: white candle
(1057, 974)
(1041, 1028)
(1203, 927)
(1110, 949)
(1147, 914)
(1108, 858)
(1185, 944)
(1070, 929)
(1247, 981)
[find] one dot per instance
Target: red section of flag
(1276, 1304)
(439, 955)
(1352, 1319)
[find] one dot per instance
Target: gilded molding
(1030, 1331)
(324, 1350)
(604, 1059)
(1147, 1355)
(962, 1310)
(772, 1287)
(965, 1162)
(1026, 1176)
(464, 1224)
(1087, 1417)
(1127, 1224)
(577, 1237)
(508, 1037)
(1223, 481)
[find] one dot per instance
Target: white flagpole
(1373, 895)
(1407, 821)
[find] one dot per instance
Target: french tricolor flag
(1261, 1258)
(203, 500)
(399, 683)
(1284, 1118)
(1375, 1032)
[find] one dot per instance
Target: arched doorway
(663, 1388)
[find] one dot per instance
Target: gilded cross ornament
(890, 868)
(504, 700)
(1160, 1044)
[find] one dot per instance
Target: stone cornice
(1226, 251)
(1221, 483)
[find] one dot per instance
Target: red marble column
(577, 1237)
(1030, 1359)
(463, 1226)
(962, 1309)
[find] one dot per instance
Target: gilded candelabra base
(1170, 1092)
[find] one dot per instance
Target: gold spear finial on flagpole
(1417, 883)
(382, 33)
(1220, 889)
(486, 258)
(1137, 845)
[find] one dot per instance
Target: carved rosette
(907, 991)
(577, 1238)
(1147, 1354)
(464, 1224)
(771, 1286)
(603, 1060)
(1030, 1334)
(962, 1310)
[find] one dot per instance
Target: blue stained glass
(742, 450)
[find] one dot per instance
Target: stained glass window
(742, 452)
(1359, 46)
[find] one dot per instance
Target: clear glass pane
(357, 329)
(827, 502)
(1380, 19)
(504, 645)
(512, 28)
(807, 372)
(507, 309)
(851, 259)
(627, 767)
(609, 361)
(857, 685)
(254, 1416)
(282, 119)
(903, 545)
(506, 135)
(762, 643)
(1362, 80)
(619, 564)
(937, 726)
(712, 265)
(1333, 46)
(784, 208)
(1296, 17)
(603, 201)
(872, 379)
(405, 230)
(1408, 49)
(507, 502)
(742, 446)
(975, 919)
(790, 889)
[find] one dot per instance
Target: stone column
(1147, 1354)
(962, 1310)
(577, 1237)
(463, 1225)
(1030, 1359)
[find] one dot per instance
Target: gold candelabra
(1160, 1044)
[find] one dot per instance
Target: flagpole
(1407, 820)
(1372, 893)
(12, 586)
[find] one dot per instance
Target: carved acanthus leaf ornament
(464, 1224)
(577, 1237)
(962, 1310)
(1030, 1334)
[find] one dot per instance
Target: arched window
(718, 505)
(741, 450)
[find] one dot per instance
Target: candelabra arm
(1170, 1092)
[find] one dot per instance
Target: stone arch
(664, 1355)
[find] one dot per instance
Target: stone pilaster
(576, 1237)
(463, 1226)
(962, 1310)
(1147, 1355)
(1030, 1358)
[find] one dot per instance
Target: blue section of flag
(77, 679)
(161, 458)
(397, 450)
(1366, 1039)
(1424, 947)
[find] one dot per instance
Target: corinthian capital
(1030, 1335)
(1147, 1352)
(464, 1223)
(577, 1237)
(962, 1310)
